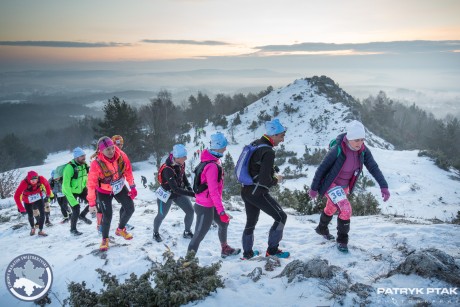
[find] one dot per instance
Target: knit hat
(274, 127)
(31, 175)
(78, 152)
(118, 140)
(179, 151)
(218, 141)
(104, 142)
(355, 130)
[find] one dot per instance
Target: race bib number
(60, 194)
(162, 194)
(34, 197)
(117, 186)
(337, 194)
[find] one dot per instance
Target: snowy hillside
(421, 192)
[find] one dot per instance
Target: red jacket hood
(31, 175)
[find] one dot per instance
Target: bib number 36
(337, 194)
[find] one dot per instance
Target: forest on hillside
(154, 128)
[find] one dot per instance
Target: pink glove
(385, 194)
(133, 193)
(313, 194)
(224, 218)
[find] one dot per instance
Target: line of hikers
(110, 176)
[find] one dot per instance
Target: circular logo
(28, 277)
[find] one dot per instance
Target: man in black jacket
(256, 197)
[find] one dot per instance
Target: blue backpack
(242, 166)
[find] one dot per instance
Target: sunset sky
(119, 30)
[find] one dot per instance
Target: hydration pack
(198, 187)
(242, 166)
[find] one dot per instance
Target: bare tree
(8, 183)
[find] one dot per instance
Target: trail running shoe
(227, 250)
(122, 232)
(187, 234)
(279, 253)
(104, 245)
(157, 237)
(342, 247)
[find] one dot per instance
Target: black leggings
(63, 204)
(253, 204)
(105, 204)
(163, 208)
(40, 205)
(204, 218)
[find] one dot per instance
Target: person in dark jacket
(336, 177)
(173, 181)
(256, 197)
(56, 186)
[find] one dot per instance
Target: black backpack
(198, 187)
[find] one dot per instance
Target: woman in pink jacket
(209, 205)
(106, 180)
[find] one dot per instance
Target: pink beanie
(104, 142)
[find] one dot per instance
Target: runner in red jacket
(30, 193)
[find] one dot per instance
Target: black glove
(23, 213)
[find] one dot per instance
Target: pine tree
(120, 118)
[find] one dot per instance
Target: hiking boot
(123, 233)
(250, 255)
(342, 247)
(85, 219)
(42, 233)
(48, 224)
(65, 219)
(32, 231)
(325, 236)
(157, 237)
(104, 245)
(229, 251)
(279, 253)
(76, 232)
(187, 234)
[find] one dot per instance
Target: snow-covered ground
(421, 192)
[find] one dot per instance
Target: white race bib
(162, 194)
(60, 194)
(337, 194)
(118, 185)
(34, 197)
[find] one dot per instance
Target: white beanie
(355, 130)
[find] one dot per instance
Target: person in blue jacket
(336, 177)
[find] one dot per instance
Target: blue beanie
(78, 152)
(179, 151)
(218, 141)
(274, 127)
